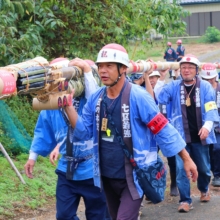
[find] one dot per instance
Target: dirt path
(210, 57)
(166, 210)
(204, 52)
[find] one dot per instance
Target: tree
(19, 39)
(52, 28)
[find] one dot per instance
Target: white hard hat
(208, 71)
(113, 53)
(154, 73)
(190, 59)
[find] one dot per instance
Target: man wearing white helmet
(119, 113)
(170, 55)
(192, 112)
(180, 51)
(209, 73)
(153, 77)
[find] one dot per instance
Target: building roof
(193, 2)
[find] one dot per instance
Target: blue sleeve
(167, 137)
(177, 51)
(165, 54)
(182, 51)
(209, 94)
(84, 125)
(174, 54)
(167, 140)
(165, 95)
(44, 139)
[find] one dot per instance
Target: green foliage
(212, 34)
(92, 24)
(80, 28)
(35, 193)
(19, 39)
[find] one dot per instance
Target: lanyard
(107, 109)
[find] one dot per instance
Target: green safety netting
(12, 128)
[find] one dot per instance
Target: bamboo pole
(11, 163)
(52, 102)
(141, 66)
(74, 75)
(14, 68)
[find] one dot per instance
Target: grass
(143, 51)
(31, 195)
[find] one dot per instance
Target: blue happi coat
(170, 54)
(142, 110)
(170, 94)
(51, 130)
(217, 93)
(180, 51)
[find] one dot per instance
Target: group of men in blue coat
(171, 55)
(86, 134)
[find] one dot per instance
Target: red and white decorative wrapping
(135, 66)
(142, 66)
(157, 123)
(7, 83)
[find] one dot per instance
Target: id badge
(104, 124)
(188, 102)
(108, 138)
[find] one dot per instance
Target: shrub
(212, 35)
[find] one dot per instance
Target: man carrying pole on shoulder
(193, 113)
(120, 113)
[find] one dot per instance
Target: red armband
(157, 123)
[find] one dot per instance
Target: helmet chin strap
(119, 76)
(191, 80)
